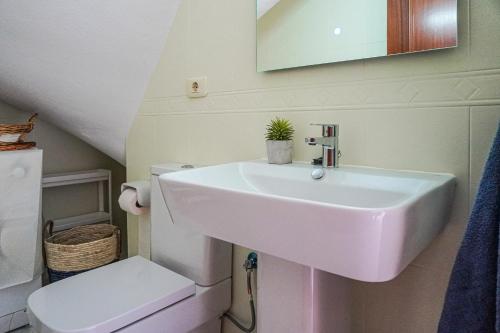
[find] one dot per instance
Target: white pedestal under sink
(361, 223)
(301, 299)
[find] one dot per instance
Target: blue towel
(472, 303)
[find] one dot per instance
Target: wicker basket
(80, 249)
(12, 136)
(16, 146)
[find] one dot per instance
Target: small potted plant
(279, 141)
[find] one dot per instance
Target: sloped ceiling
(82, 65)
(263, 6)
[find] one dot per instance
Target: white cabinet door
(20, 229)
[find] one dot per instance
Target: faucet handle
(328, 129)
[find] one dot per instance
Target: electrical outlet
(196, 87)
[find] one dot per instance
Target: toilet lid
(108, 298)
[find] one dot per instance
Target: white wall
(434, 111)
(83, 65)
(63, 152)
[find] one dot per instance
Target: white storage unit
(100, 176)
(20, 233)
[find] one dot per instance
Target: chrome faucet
(330, 143)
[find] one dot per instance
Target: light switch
(196, 87)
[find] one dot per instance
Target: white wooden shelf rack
(100, 176)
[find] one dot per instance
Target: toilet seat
(108, 298)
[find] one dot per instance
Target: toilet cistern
(330, 143)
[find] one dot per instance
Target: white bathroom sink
(363, 223)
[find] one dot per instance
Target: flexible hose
(252, 307)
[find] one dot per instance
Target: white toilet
(185, 288)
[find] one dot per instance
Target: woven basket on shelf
(79, 249)
(16, 146)
(12, 135)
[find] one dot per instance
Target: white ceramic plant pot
(279, 152)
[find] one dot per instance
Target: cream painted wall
(434, 111)
(63, 152)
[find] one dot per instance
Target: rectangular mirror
(294, 33)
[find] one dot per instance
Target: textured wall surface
(62, 152)
(83, 65)
(434, 111)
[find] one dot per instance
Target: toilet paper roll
(128, 202)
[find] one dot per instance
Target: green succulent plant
(279, 129)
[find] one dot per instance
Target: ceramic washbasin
(363, 223)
